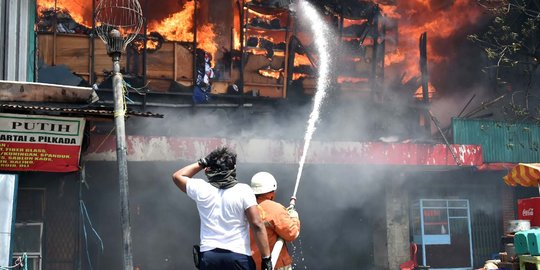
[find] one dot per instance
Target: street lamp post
(117, 24)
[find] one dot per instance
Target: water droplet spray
(321, 33)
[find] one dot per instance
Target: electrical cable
(137, 89)
(130, 101)
(125, 86)
(105, 139)
(85, 217)
(20, 261)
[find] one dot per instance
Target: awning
(45, 92)
(524, 174)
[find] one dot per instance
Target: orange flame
(349, 22)
(176, 27)
(259, 51)
(297, 76)
(389, 11)
(394, 57)
(236, 39)
(301, 59)
(271, 39)
(419, 92)
(271, 73)
(260, 15)
(80, 13)
(179, 27)
(440, 19)
(150, 45)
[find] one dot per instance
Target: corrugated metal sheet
(500, 141)
(107, 112)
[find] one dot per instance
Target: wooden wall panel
(45, 49)
(265, 91)
(73, 51)
(160, 64)
(171, 62)
(159, 85)
(256, 62)
(183, 63)
(102, 61)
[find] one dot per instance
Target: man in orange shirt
(278, 220)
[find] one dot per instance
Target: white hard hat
(263, 182)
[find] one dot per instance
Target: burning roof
(269, 23)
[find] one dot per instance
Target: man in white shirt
(227, 209)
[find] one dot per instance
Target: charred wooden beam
(242, 56)
(92, 77)
(374, 18)
(424, 77)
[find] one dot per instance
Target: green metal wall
(500, 141)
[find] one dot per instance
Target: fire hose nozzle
(292, 202)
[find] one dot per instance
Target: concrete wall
(159, 148)
(397, 222)
(392, 247)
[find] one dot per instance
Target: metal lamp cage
(118, 22)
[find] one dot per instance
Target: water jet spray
(321, 32)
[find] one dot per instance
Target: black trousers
(222, 259)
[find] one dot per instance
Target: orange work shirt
(278, 223)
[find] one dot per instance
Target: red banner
(40, 143)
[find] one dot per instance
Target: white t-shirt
(222, 212)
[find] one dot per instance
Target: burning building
(373, 169)
(256, 47)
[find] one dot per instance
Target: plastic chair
(412, 263)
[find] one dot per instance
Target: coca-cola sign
(527, 208)
(528, 212)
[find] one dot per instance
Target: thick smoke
(340, 206)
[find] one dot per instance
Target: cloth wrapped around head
(221, 169)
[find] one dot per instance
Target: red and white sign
(529, 209)
(40, 143)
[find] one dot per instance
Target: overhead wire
(86, 219)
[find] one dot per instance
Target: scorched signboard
(40, 143)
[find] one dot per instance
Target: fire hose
(280, 242)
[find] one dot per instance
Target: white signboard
(8, 189)
(40, 142)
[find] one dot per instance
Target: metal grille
(486, 224)
(485, 245)
(61, 226)
(30, 205)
